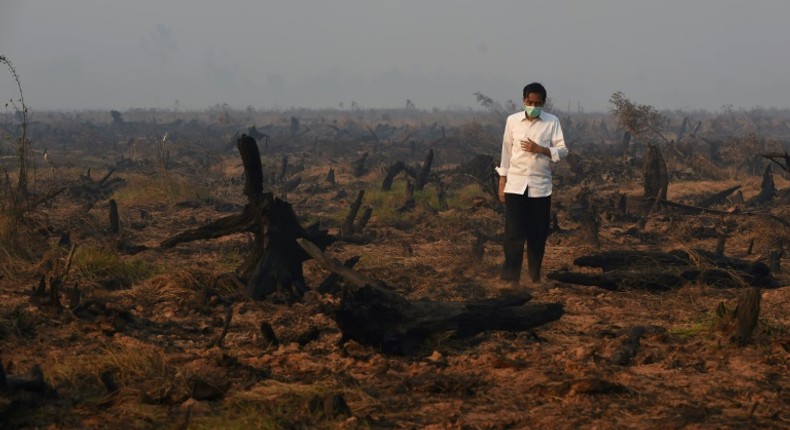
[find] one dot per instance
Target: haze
(179, 54)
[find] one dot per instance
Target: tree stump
(655, 174)
(275, 262)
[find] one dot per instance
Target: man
(532, 141)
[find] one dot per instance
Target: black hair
(535, 88)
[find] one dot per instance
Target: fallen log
(371, 313)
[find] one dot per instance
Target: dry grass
(99, 265)
(16, 321)
(271, 405)
(145, 190)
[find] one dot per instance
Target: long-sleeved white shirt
(529, 171)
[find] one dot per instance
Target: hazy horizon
(93, 54)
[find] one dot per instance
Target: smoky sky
(672, 54)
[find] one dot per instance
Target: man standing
(532, 141)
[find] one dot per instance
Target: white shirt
(529, 171)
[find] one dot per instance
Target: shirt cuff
(555, 154)
(501, 171)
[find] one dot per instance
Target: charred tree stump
(746, 314)
(34, 381)
(359, 165)
(283, 169)
(775, 257)
(372, 314)
(767, 189)
(392, 171)
(347, 229)
(626, 143)
(330, 177)
(481, 169)
(656, 179)
(425, 171)
(115, 223)
(364, 219)
(410, 203)
(274, 265)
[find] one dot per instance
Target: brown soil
(155, 335)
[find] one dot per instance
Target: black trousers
(526, 220)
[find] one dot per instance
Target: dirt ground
(144, 353)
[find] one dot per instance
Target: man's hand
(530, 146)
(502, 182)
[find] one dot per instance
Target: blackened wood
(718, 197)
(775, 257)
(359, 165)
(34, 381)
(267, 332)
(364, 219)
(115, 223)
(348, 225)
(425, 171)
(623, 354)
(656, 179)
(478, 248)
(767, 189)
(746, 314)
(782, 160)
(371, 313)
(253, 170)
(392, 171)
(283, 169)
(625, 142)
(291, 185)
(410, 203)
(622, 280)
(329, 284)
(330, 176)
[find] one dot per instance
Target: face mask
(532, 111)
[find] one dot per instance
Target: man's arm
(504, 164)
(557, 150)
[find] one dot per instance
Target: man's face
(534, 100)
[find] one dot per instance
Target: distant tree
(640, 120)
(410, 105)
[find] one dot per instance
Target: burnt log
(622, 280)
(718, 197)
(371, 313)
(274, 264)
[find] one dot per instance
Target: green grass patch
(713, 322)
(99, 264)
